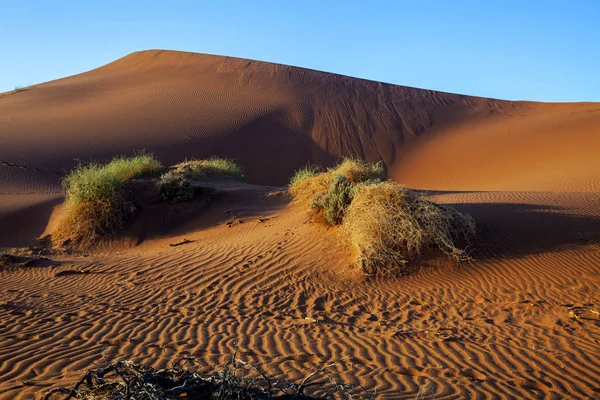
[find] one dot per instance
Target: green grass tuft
(303, 173)
(96, 181)
(96, 203)
(199, 169)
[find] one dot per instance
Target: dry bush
(386, 223)
(97, 203)
(389, 225)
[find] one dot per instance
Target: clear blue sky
(529, 49)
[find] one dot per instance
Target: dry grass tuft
(97, 203)
(309, 189)
(357, 171)
(310, 184)
(389, 225)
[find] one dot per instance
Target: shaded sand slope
(284, 290)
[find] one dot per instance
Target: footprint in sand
(473, 374)
(535, 385)
(307, 358)
(408, 371)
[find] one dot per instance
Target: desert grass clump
(388, 225)
(177, 184)
(336, 200)
(199, 169)
(97, 203)
(358, 171)
(310, 184)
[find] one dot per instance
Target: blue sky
(541, 50)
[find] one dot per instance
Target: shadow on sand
(509, 230)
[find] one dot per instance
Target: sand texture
(521, 321)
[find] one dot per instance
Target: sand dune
(519, 322)
(184, 104)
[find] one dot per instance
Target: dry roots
(126, 380)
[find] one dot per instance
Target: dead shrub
(237, 380)
(388, 225)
